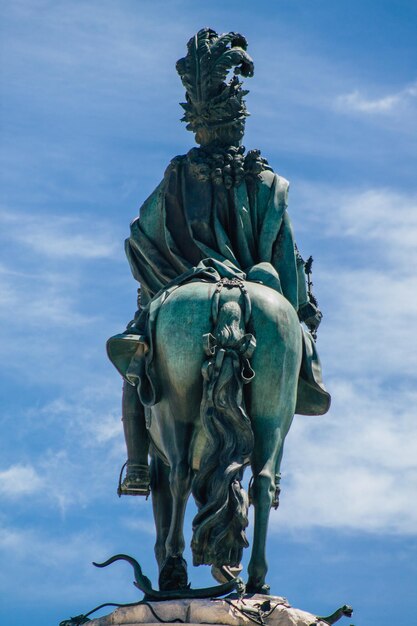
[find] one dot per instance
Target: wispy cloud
(355, 101)
(50, 551)
(114, 55)
(369, 242)
(50, 301)
(90, 417)
(355, 469)
(57, 478)
(370, 322)
(61, 482)
(19, 480)
(58, 237)
(41, 565)
(53, 481)
(385, 215)
(140, 526)
(43, 268)
(384, 220)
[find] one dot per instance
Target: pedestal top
(231, 611)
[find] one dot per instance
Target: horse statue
(216, 361)
(215, 417)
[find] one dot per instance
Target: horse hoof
(252, 588)
(173, 574)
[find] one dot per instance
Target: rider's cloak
(190, 226)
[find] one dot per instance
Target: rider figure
(213, 203)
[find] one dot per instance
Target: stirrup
(136, 481)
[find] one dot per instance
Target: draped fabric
(186, 220)
(189, 226)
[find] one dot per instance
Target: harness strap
(230, 283)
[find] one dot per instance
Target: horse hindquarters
(271, 404)
(183, 321)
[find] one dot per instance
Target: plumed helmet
(215, 107)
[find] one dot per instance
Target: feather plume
(212, 102)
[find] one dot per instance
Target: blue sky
(89, 120)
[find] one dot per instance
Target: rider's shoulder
(175, 163)
(258, 166)
(272, 184)
(270, 179)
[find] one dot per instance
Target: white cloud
(383, 215)
(7, 295)
(355, 469)
(355, 101)
(87, 57)
(82, 455)
(368, 331)
(60, 480)
(58, 237)
(54, 481)
(40, 278)
(50, 302)
(49, 551)
(64, 478)
(141, 525)
(367, 288)
(20, 480)
(373, 228)
(91, 416)
(43, 566)
(85, 449)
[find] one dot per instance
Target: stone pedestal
(222, 612)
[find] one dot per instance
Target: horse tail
(219, 526)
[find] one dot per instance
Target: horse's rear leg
(275, 502)
(272, 410)
(173, 574)
(268, 442)
(161, 504)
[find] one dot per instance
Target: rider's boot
(137, 479)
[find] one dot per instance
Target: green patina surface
(223, 296)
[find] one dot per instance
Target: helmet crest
(213, 105)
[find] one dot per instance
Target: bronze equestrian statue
(221, 352)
